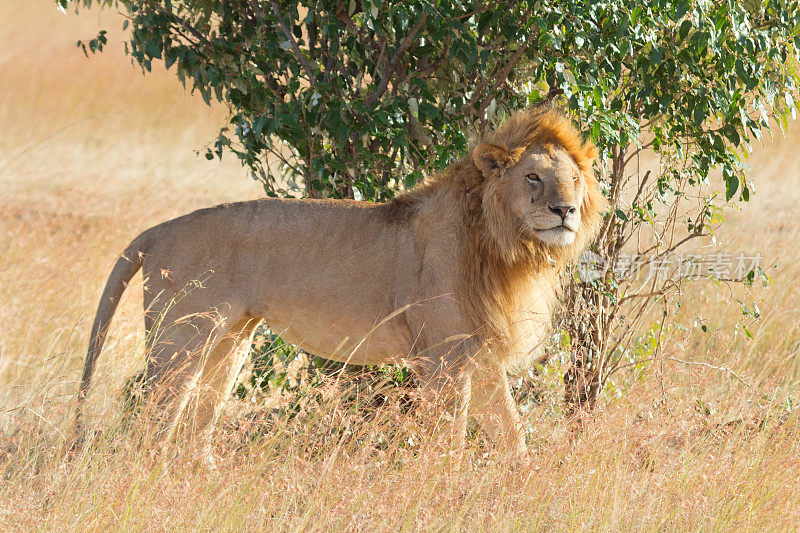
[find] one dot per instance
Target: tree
(360, 98)
(694, 82)
(353, 98)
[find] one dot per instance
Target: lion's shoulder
(400, 209)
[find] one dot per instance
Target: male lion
(457, 276)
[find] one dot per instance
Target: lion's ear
(490, 157)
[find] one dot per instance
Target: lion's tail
(125, 268)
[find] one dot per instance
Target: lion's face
(542, 191)
(545, 195)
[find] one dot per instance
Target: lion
(457, 277)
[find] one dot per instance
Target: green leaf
(731, 186)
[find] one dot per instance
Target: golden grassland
(91, 152)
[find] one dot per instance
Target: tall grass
(675, 468)
(91, 153)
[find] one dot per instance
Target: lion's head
(543, 191)
(536, 185)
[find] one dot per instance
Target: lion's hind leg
(219, 373)
(176, 357)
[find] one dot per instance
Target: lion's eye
(576, 177)
(533, 178)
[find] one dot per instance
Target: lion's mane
(495, 263)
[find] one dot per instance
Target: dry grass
(91, 152)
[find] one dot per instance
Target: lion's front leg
(448, 389)
(496, 411)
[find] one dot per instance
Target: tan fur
(457, 276)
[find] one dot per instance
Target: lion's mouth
(562, 227)
(561, 235)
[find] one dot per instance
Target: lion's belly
(353, 340)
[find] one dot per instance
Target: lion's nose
(562, 210)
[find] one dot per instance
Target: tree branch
(712, 367)
(549, 97)
(430, 69)
(392, 66)
(290, 38)
(500, 78)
